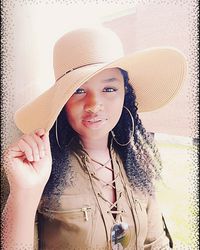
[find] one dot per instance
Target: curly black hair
(141, 158)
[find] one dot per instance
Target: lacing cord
(134, 219)
(113, 205)
(90, 177)
(110, 184)
(106, 184)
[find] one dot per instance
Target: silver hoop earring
(131, 133)
(57, 140)
(56, 127)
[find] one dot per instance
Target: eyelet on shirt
(121, 211)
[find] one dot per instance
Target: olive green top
(81, 217)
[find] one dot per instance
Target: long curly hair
(141, 161)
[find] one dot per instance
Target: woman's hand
(28, 163)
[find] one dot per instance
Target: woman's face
(95, 108)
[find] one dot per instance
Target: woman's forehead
(109, 75)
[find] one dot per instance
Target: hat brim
(156, 75)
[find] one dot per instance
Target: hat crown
(85, 46)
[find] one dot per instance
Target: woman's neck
(97, 149)
(95, 144)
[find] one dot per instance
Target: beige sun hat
(156, 74)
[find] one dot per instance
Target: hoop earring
(131, 133)
(56, 127)
(57, 140)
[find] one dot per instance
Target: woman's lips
(94, 123)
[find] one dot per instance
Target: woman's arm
(18, 221)
(28, 167)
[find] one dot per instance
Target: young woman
(83, 172)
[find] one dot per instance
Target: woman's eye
(109, 89)
(79, 91)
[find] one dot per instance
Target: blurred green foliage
(177, 192)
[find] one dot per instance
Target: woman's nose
(94, 108)
(93, 104)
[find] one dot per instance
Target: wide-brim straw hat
(156, 74)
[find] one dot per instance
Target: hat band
(75, 69)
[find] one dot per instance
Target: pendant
(120, 236)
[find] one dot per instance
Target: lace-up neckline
(112, 206)
(115, 210)
(101, 184)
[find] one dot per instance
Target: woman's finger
(26, 149)
(12, 153)
(31, 147)
(40, 145)
(40, 132)
(31, 141)
(15, 154)
(45, 139)
(44, 136)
